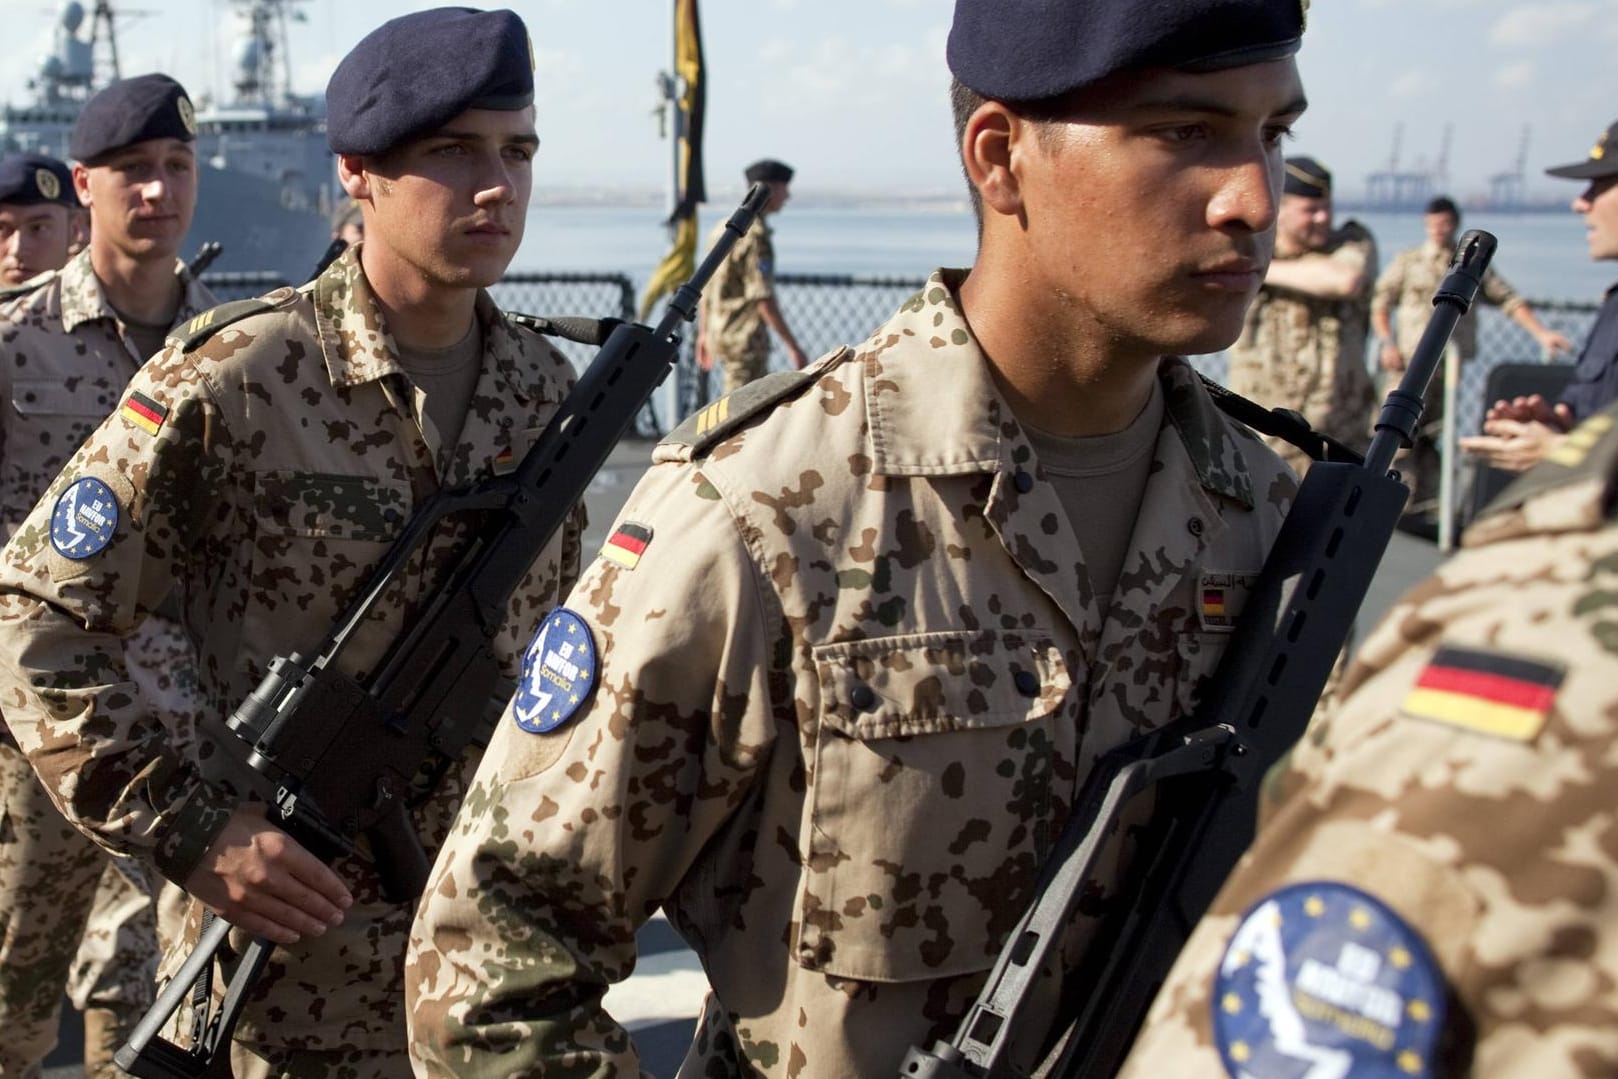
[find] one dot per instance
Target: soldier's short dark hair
(1443, 204)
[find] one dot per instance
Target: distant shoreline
(808, 198)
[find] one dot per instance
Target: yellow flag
(680, 261)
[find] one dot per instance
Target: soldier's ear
(81, 184)
(352, 175)
(988, 149)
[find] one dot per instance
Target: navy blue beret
(1306, 177)
(414, 74)
(129, 111)
(1032, 50)
(768, 171)
(29, 179)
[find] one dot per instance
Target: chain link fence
(826, 311)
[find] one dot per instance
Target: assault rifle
(205, 256)
(335, 757)
(1206, 767)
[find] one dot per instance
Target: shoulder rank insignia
(1486, 692)
(211, 321)
(709, 426)
(1321, 978)
(84, 520)
(558, 673)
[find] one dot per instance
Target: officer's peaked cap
(31, 179)
(412, 75)
(1602, 162)
(128, 111)
(1031, 50)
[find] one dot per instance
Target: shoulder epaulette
(1589, 450)
(211, 321)
(709, 426)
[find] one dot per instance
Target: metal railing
(826, 311)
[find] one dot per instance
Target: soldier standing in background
(739, 307)
(261, 466)
(829, 691)
(1303, 346)
(1432, 893)
(72, 341)
(1406, 288)
(38, 218)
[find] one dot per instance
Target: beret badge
(48, 184)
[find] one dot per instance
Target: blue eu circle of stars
(1322, 979)
(558, 673)
(85, 517)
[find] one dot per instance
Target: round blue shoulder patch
(558, 673)
(84, 520)
(1321, 979)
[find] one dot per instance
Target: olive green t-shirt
(1100, 481)
(445, 379)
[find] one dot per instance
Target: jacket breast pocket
(317, 537)
(942, 770)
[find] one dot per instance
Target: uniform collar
(355, 340)
(944, 416)
(84, 300)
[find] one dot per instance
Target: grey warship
(266, 179)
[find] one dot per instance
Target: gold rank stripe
(1580, 441)
(714, 415)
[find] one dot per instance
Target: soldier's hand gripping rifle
(336, 757)
(1206, 767)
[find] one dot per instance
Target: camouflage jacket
(848, 688)
(734, 325)
(1308, 353)
(65, 365)
(1406, 289)
(265, 467)
(1463, 787)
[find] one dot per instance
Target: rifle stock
(1206, 767)
(335, 757)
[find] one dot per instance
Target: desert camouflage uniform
(1406, 290)
(1307, 353)
(287, 456)
(846, 699)
(1493, 840)
(735, 329)
(66, 361)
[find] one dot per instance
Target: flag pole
(673, 91)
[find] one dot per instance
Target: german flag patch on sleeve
(144, 412)
(627, 544)
(1493, 693)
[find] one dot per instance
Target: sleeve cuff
(190, 831)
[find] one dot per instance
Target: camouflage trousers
(74, 920)
(744, 367)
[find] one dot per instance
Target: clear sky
(852, 92)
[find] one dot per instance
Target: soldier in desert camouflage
(830, 688)
(739, 307)
(1303, 346)
(73, 338)
(265, 461)
(1433, 891)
